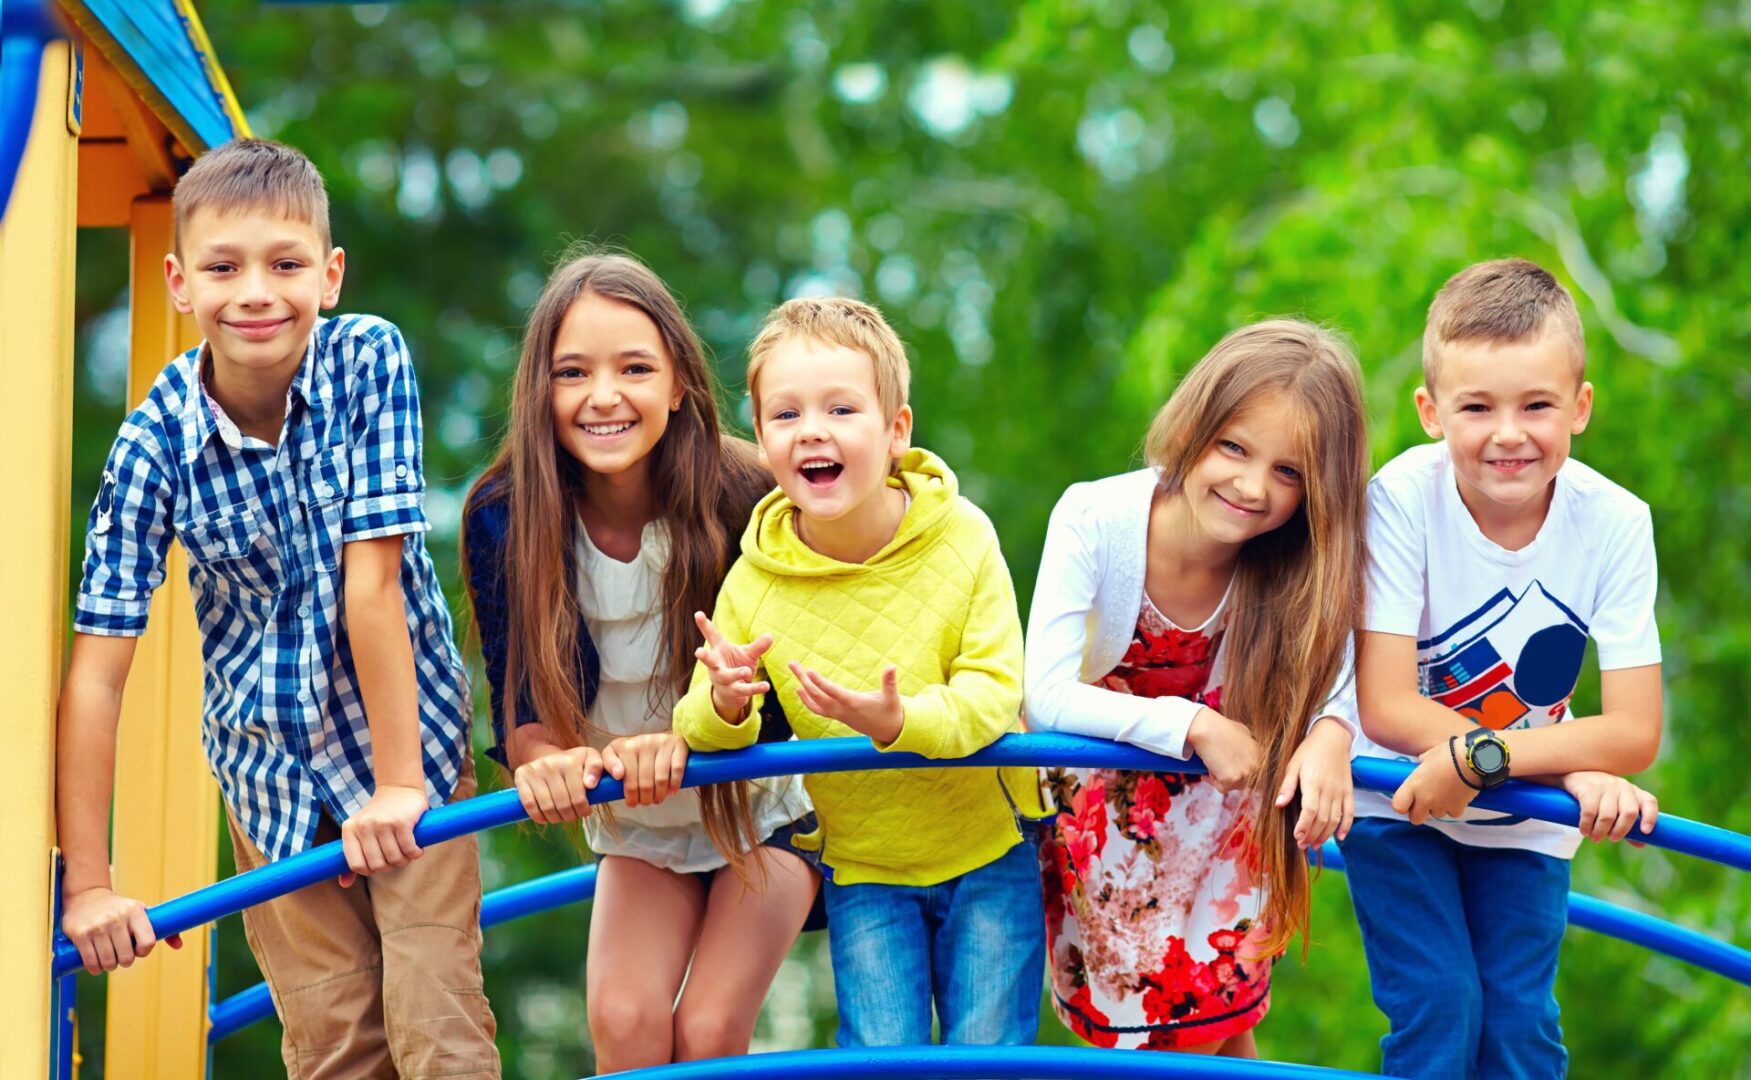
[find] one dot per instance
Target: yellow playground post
(127, 97)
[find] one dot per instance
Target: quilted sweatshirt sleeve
(982, 698)
(696, 719)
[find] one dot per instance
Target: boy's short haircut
(1501, 302)
(253, 174)
(836, 320)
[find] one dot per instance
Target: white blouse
(622, 606)
(1084, 612)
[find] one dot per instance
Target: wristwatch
(1486, 753)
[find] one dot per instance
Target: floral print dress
(1152, 880)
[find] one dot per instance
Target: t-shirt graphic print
(1501, 634)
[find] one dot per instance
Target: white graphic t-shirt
(1500, 634)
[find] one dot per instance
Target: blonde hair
(253, 174)
(1296, 601)
(1501, 302)
(836, 320)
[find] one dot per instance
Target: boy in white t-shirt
(1493, 558)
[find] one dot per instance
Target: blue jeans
(1462, 947)
(975, 945)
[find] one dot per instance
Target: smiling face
(613, 385)
(1508, 414)
(255, 283)
(1251, 479)
(822, 429)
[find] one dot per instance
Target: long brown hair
(1297, 594)
(704, 483)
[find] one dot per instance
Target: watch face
(1486, 757)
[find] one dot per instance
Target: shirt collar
(208, 416)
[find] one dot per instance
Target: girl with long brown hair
(608, 517)
(1207, 603)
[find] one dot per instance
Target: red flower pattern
(1115, 826)
(1081, 1012)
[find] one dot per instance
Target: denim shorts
(781, 839)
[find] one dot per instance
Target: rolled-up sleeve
(127, 538)
(385, 496)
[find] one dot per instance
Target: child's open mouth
(820, 473)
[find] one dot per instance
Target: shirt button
(324, 491)
(303, 695)
(303, 611)
(401, 470)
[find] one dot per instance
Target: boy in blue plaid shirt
(284, 454)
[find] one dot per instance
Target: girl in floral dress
(1207, 603)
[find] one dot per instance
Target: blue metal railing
(838, 755)
(26, 26)
(972, 1062)
(579, 884)
(496, 908)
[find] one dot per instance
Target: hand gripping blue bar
(849, 755)
(976, 1062)
(1551, 804)
(25, 27)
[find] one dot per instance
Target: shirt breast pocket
(324, 496)
(237, 550)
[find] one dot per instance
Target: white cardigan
(1084, 613)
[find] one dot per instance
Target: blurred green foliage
(1062, 204)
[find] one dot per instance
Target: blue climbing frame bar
(848, 755)
(501, 906)
(578, 884)
(974, 1062)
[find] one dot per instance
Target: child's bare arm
(1622, 739)
(1393, 713)
(380, 835)
(85, 755)
(110, 931)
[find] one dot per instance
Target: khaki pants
(381, 979)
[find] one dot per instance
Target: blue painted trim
(155, 41)
(25, 27)
(850, 755)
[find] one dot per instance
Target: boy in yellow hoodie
(873, 600)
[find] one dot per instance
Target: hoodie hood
(771, 541)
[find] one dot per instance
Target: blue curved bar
(1551, 804)
(571, 886)
(500, 906)
(1612, 920)
(973, 1062)
(25, 27)
(849, 755)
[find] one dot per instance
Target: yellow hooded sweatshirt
(937, 603)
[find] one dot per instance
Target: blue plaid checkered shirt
(264, 525)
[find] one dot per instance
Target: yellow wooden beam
(109, 180)
(167, 804)
(113, 109)
(37, 241)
